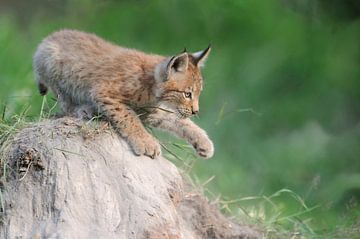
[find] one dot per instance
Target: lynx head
(179, 82)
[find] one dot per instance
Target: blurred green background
(282, 88)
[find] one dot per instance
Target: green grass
(281, 214)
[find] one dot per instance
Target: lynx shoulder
(130, 88)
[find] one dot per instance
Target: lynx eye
(187, 95)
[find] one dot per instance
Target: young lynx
(129, 87)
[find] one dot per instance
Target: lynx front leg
(186, 129)
(129, 126)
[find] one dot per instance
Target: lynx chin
(128, 87)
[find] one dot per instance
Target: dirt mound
(69, 180)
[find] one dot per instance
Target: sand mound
(69, 180)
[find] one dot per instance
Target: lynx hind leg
(68, 107)
(85, 112)
(65, 103)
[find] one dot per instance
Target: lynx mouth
(183, 113)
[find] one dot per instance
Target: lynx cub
(129, 87)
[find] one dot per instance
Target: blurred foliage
(282, 85)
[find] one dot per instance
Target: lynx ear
(201, 56)
(178, 63)
(171, 65)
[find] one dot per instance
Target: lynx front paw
(145, 144)
(204, 147)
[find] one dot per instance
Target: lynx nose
(194, 112)
(195, 107)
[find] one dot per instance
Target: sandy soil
(67, 179)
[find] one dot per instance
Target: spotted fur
(130, 88)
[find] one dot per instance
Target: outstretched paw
(204, 147)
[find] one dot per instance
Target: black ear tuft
(201, 56)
